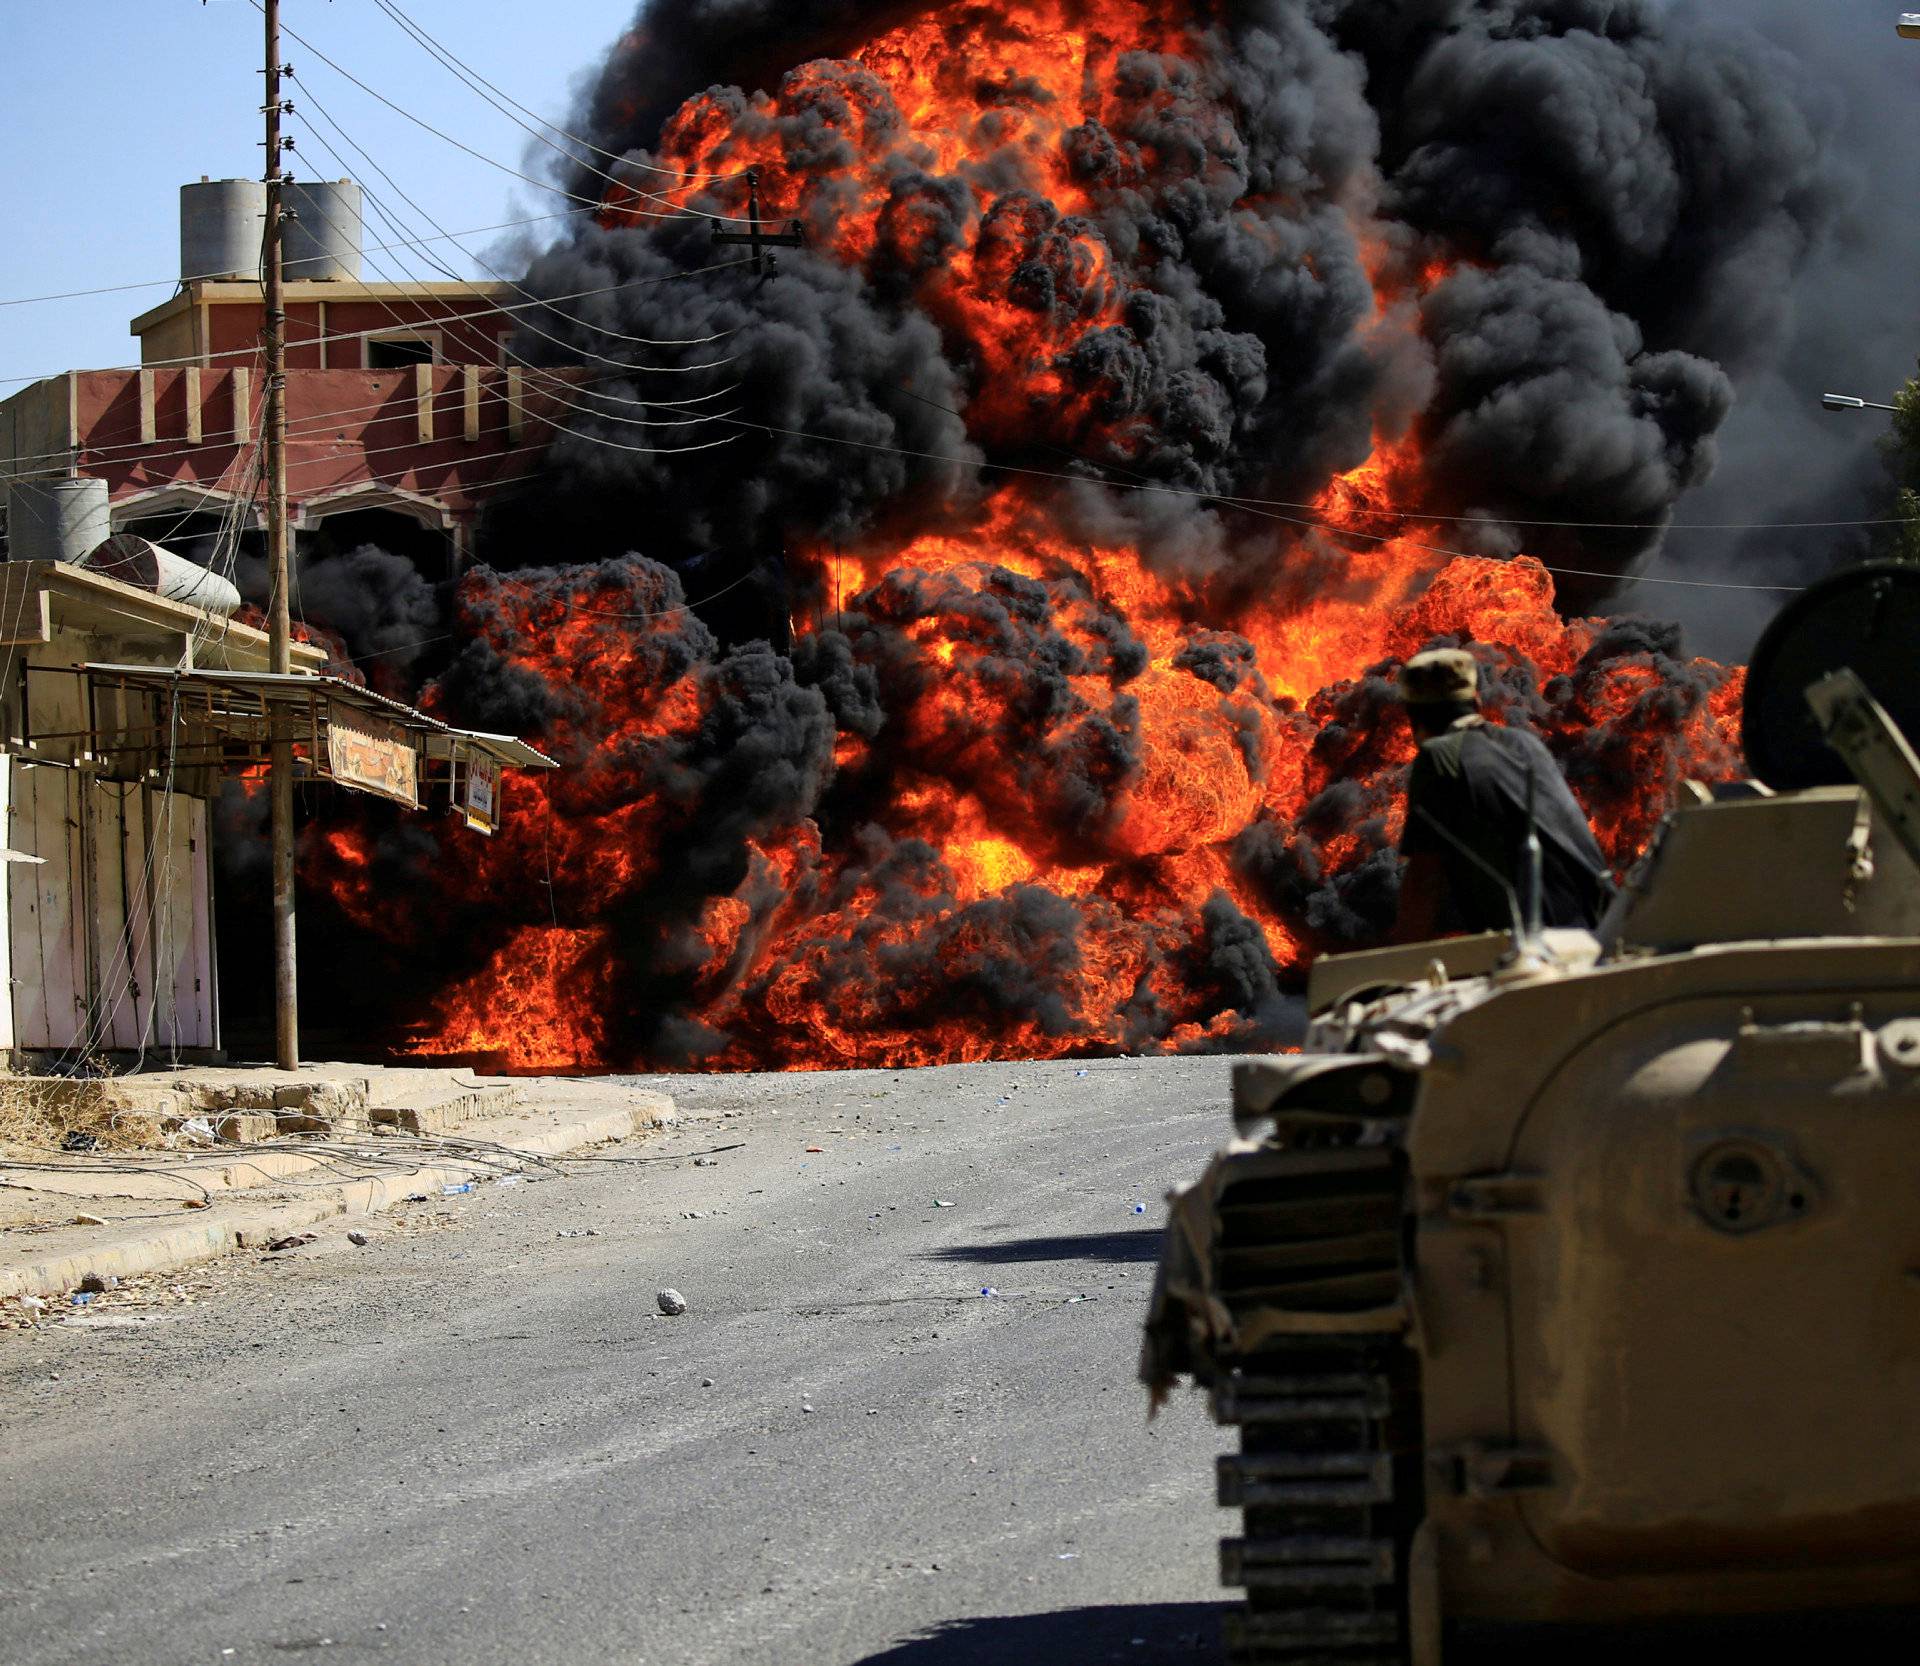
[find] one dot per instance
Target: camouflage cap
(1440, 677)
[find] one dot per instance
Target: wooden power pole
(757, 236)
(286, 1002)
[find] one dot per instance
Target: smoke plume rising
(1154, 378)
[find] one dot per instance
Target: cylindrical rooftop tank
(222, 225)
(149, 566)
(57, 520)
(323, 238)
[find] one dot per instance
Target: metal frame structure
(233, 718)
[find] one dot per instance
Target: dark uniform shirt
(1473, 781)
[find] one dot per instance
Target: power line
(545, 335)
(481, 156)
(400, 224)
(212, 277)
(425, 39)
(1229, 502)
(532, 300)
(311, 428)
(448, 62)
(202, 361)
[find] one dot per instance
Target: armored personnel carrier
(1575, 1277)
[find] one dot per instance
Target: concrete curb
(164, 1249)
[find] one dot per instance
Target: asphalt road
(474, 1440)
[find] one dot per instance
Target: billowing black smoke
(1584, 218)
(1524, 250)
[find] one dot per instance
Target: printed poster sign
(483, 793)
(372, 755)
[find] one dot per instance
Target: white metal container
(57, 520)
(222, 226)
(324, 235)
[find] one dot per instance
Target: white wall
(111, 938)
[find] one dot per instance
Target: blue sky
(112, 105)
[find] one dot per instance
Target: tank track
(1328, 1474)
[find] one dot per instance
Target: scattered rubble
(671, 1302)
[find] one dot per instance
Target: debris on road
(671, 1302)
(941, 1203)
(706, 1382)
(96, 1283)
(112, 1321)
(456, 1191)
(89, 1220)
(359, 1239)
(579, 1232)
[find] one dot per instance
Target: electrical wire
(572, 347)
(215, 277)
(481, 156)
(313, 429)
(563, 404)
(1211, 497)
(207, 361)
(448, 62)
(424, 38)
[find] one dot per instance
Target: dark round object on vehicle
(1866, 618)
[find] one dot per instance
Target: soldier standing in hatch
(1468, 798)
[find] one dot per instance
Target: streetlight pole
(1847, 402)
(286, 1009)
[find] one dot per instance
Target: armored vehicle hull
(1577, 1278)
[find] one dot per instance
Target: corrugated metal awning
(509, 749)
(342, 732)
(299, 688)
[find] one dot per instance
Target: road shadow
(1141, 1244)
(1149, 1634)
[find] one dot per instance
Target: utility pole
(761, 240)
(286, 1003)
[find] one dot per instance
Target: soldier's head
(1438, 688)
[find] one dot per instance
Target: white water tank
(57, 520)
(222, 225)
(323, 236)
(149, 566)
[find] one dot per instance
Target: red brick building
(402, 414)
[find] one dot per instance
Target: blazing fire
(1024, 785)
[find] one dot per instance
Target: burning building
(405, 408)
(1000, 665)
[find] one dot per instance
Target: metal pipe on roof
(149, 566)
